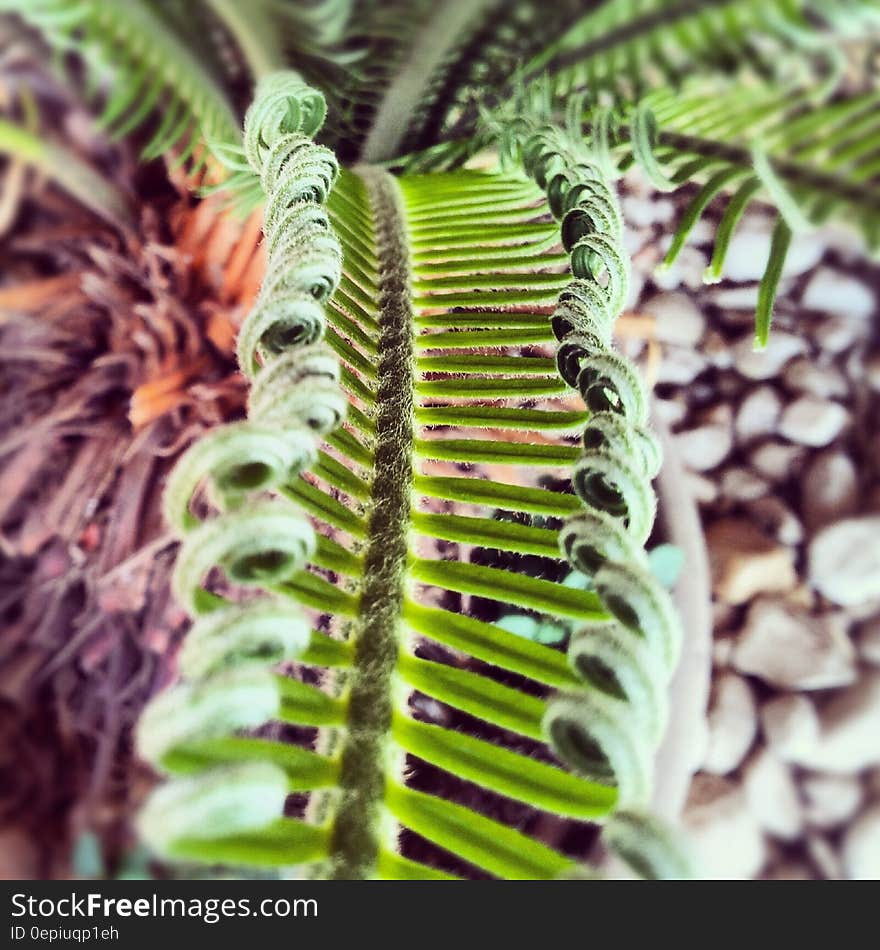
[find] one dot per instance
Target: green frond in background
(146, 65)
(814, 163)
(76, 177)
(626, 48)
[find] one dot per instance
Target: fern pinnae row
(230, 810)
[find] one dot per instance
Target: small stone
(746, 562)
(831, 292)
(634, 294)
(772, 796)
(868, 641)
(677, 319)
(772, 515)
(837, 334)
(830, 489)
(702, 233)
(717, 350)
(732, 724)
(788, 648)
(643, 212)
(671, 411)
(812, 421)
(791, 725)
(777, 461)
(749, 252)
(722, 832)
(742, 484)
(803, 596)
(844, 561)
(687, 269)
(845, 241)
(680, 365)
(758, 414)
(705, 446)
(766, 363)
(634, 240)
(744, 297)
(803, 375)
(861, 847)
(831, 800)
(849, 726)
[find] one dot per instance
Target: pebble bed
(782, 449)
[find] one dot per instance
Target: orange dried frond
(157, 396)
(33, 295)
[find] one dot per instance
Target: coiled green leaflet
(258, 542)
(610, 730)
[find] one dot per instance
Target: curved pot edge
(683, 746)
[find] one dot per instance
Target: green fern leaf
(370, 565)
(817, 162)
(112, 38)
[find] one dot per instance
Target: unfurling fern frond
(295, 398)
(611, 731)
(442, 322)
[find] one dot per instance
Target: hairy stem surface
(365, 758)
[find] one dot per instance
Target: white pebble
(804, 375)
(758, 414)
(830, 489)
(772, 796)
(677, 319)
(732, 723)
(790, 724)
(768, 362)
(831, 800)
(861, 847)
(832, 292)
(791, 649)
(844, 561)
(811, 421)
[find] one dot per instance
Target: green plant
(426, 271)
